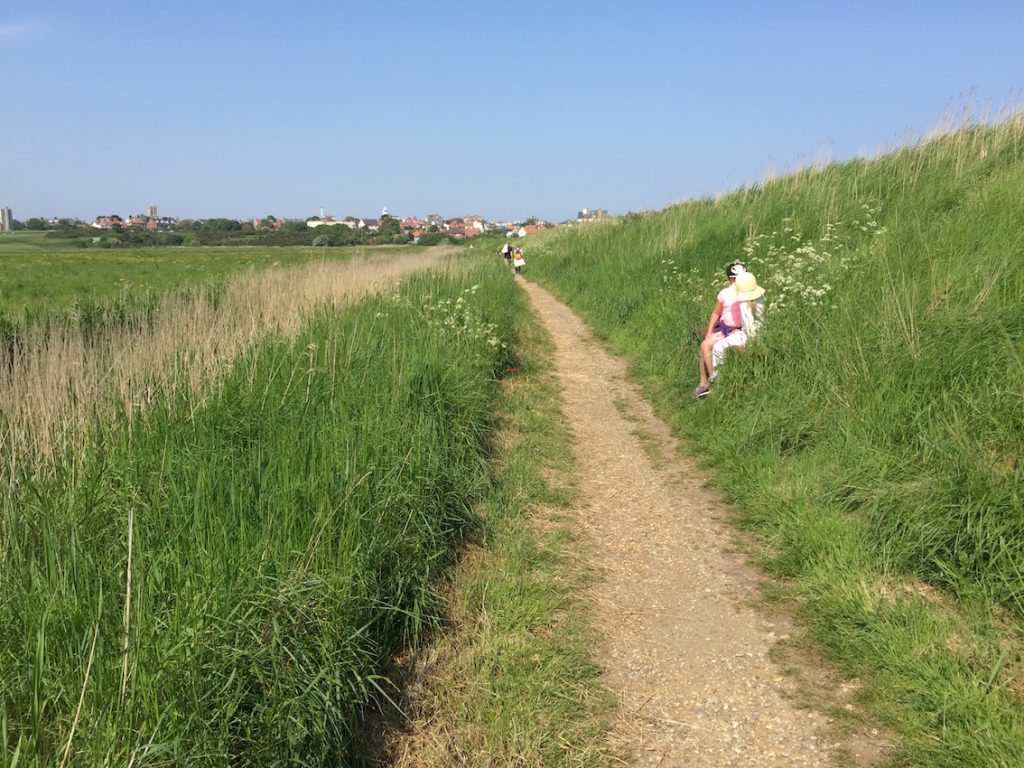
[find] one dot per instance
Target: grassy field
(222, 520)
(872, 434)
(41, 275)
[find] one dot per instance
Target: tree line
(221, 231)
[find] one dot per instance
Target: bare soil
(685, 649)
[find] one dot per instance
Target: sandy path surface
(684, 651)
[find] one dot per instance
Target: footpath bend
(683, 648)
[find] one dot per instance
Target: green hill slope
(872, 435)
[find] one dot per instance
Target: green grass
(511, 682)
(40, 275)
(872, 435)
(224, 582)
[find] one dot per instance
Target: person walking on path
(725, 318)
(506, 253)
(519, 261)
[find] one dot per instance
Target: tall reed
(223, 580)
(59, 378)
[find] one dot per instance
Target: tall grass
(43, 275)
(511, 681)
(222, 581)
(62, 374)
(873, 433)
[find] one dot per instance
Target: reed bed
(60, 377)
(221, 577)
(872, 435)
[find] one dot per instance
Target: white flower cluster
(795, 270)
(459, 318)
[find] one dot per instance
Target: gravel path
(684, 651)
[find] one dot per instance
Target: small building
(325, 221)
(107, 222)
(591, 214)
(412, 224)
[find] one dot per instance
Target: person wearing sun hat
(747, 297)
(725, 319)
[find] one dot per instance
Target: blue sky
(507, 110)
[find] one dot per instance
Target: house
(591, 214)
(106, 222)
(324, 221)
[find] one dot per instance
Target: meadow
(871, 436)
(221, 572)
(42, 275)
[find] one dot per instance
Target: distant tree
(222, 225)
(294, 227)
(36, 224)
(432, 238)
(389, 226)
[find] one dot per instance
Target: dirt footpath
(683, 650)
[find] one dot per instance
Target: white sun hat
(746, 287)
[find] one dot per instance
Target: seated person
(725, 318)
(743, 298)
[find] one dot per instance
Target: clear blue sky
(508, 110)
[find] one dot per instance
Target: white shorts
(737, 339)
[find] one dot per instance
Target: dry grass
(58, 384)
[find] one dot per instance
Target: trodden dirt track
(683, 650)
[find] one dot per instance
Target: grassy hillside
(872, 436)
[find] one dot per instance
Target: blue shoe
(701, 391)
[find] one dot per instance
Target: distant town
(150, 228)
